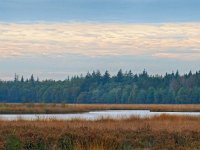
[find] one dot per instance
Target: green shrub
(13, 143)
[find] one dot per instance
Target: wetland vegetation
(160, 132)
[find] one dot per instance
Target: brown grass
(76, 108)
(161, 132)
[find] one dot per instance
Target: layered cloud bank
(174, 41)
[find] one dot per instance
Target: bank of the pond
(29, 108)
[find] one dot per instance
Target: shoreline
(31, 108)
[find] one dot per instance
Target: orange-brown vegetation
(161, 132)
(75, 108)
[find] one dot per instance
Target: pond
(94, 115)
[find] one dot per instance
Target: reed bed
(160, 132)
(30, 108)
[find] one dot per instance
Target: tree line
(95, 87)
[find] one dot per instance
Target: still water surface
(94, 115)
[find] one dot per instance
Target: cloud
(182, 56)
(100, 39)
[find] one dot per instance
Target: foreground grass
(161, 132)
(76, 108)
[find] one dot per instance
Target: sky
(58, 38)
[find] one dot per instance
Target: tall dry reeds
(161, 132)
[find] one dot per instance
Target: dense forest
(124, 87)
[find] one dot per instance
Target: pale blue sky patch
(148, 11)
(60, 68)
